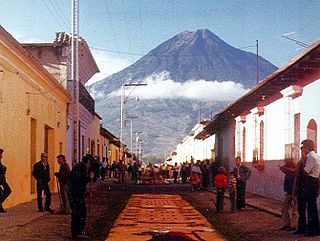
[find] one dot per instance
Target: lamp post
(122, 103)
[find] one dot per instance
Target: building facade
(33, 117)
(56, 58)
(266, 125)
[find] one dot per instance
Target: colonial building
(112, 146)
(267, 124)
(56, 58)
(33, 117)
(196, 145)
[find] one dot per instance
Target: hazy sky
(131, 28)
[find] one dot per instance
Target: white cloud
(21, 38)
(161, 87)
(108, 64)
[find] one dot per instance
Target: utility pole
(137, 142)
(131, 122)
(75, 77)
(122, 105)
(257, 75)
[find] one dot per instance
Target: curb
(256, 206)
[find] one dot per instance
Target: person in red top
(220, 182)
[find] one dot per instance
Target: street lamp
(122, 102)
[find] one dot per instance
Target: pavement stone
(22, 214)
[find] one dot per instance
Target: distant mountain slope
(193, 55)
(190, 55)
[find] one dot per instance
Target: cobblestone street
(145, 216)
(151, 215)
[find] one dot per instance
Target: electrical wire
(52, 13)
(111, 23)
(157, 55)
(140, 25)
(126, 23)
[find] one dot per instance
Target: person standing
(308, 173)
(121, 171)
(175, 171)
(289, 209)
(79, 177)
(221, 183)
(63, 177)
(232, 191)
(41, 172)
(242, 174)
(6, 190)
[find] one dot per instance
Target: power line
(61, 13)
(111, 23)
(52, 14)
(126, 23)
(140, 24)
(156, 55)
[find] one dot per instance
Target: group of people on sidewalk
(301, 186)
(72, 188)
(236, 186)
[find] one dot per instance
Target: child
(220, 182)
(232, 191)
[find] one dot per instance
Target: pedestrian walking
(5, 189)
(121, 171)
(195, 178)
(103, 168)
(205, 169)
(41, 172)
(242, 174)
(308, 173)
(215, 167)
(175, 171)
(232, 191)
(289, 205)
(63, 177)
(184, 173)
(79, 177)
(220, 182)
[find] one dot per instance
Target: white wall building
(194, 145)
(267, 124)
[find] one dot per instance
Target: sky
(120, 32)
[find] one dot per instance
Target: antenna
(296, 41)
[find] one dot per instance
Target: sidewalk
(25, 213)
(264, 204)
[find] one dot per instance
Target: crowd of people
(301, 185)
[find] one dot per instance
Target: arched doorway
(312, 132)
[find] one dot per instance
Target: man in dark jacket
(242, 174)
(289, 205)
(63, 177)
(41, 172)
(5, 192)
(79, 177)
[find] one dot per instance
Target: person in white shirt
(307, 196)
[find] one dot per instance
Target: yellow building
(33, 117)
(113, 146)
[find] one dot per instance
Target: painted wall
(279, 131)
(31, 102)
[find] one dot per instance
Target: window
(312, 132)
(261, 141)
(33, 151)
(244, 144)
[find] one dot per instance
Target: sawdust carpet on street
(161, 217)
